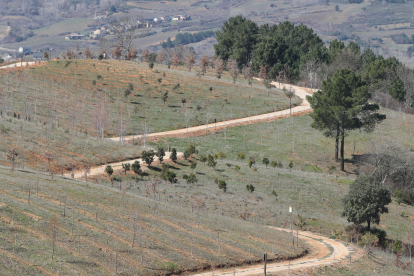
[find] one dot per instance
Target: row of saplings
(171, 177)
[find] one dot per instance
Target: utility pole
(265, 262)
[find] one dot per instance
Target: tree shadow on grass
(154, 169)
(200, 173)
(174, 106)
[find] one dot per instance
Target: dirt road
(100, 170)
(323, 251)
(300, 92)
(18, 64)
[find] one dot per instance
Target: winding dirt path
(301, 92)
(323, 251)
(200, 130)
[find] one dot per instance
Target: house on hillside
(165, 18)
(97, 34)
(25, 50)
(101, 16)
(7, 58)
(38, 56)
(74, 36)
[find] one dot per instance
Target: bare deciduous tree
(53, 228)
(49, 158)
(145, 55)
(100, 118)
(132, 54)
(262, 73)
(117, 52)
(190, 59)
(11, 156)
(219, 66)
(175, 59)
(87, 169)
(248, 74)
(310, 73)
(161, 57)
(88, 53)
(204, 62)
(125, 31)
(233, 69)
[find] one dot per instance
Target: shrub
(250, 188)
(368, 239)
(397, 247)
(222, 185)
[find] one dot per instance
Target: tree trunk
(337, 144)
(342, 150)
(369, 225)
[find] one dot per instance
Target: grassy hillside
(67, 104)
(293, 139)
(93, 226)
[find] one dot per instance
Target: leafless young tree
(49, 158)
(213, 61)
(100, 118)
(187, 117)
(88, 53)
(69, 54)
(161, 57)
(175, 59)
(117, 52)
(248, 74)
(145, 55)
(204, 62)
(87, 169)
(190, 59)
(132, 54)
(290, 94)
(11, 156)
(310, 73)
(233, 69)
(262, 73)
(219, 66)
(53, 228)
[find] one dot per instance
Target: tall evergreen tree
(342, 106)
(236, 39)
(397, 90)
